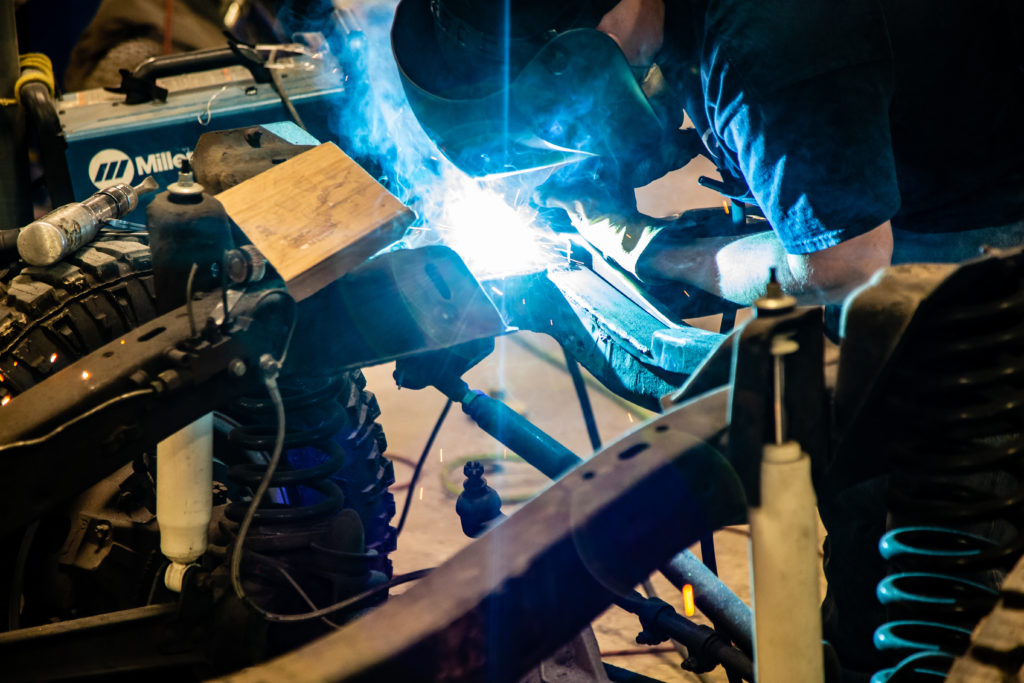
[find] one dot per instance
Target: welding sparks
(85, 374)
(725, 205)
(497, 291)
(53, 358)
(494, 238)
(440, 454)
(5, 400)
(421, 493)
(630, 416)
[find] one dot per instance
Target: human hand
(605, 220)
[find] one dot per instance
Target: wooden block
(316, 216)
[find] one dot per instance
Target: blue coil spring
(956, 496)
(326, 523)
(313, 417)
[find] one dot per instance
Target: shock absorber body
(957, 493)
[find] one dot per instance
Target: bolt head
(237, 367)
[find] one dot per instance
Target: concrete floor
(528, 371)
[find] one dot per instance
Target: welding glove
(607, 220)
(599, 197)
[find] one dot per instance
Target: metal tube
(70, 227)
(15, 205)
(521, 436)
(581, 393)
(712, 597)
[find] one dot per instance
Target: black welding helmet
(536, 86)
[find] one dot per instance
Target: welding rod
(67, 229)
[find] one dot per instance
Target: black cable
(18, 579)
(581, 394)
(188, 298)
(419, 466)
(72, 422)
(349, 602)
(298, 589)
(707, 552)
(275, 82)
(269, 367)
(270, 379)
(295, 318)
(270, 370)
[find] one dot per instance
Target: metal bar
(581, 394)
(63, 628)
(712, 597)
(530, 584)
(105, 645)
(523, 438)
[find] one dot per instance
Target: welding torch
(64, 230)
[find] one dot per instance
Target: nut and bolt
(102, 531)
(237, 367)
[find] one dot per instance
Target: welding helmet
(538, 86)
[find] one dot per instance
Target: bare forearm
(737, 268)
(732, 268)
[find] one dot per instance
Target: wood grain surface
(316, 216)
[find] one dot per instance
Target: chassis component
(529, 584)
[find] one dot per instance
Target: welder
(865, 132)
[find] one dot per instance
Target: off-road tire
(52, 316)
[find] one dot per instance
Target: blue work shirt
(837, 116)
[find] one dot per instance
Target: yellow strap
(35, 68)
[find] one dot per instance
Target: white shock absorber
(184, 495)
(784, 563)
(784, 536)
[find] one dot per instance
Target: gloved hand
(606, 219)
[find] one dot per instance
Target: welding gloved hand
(608, 220)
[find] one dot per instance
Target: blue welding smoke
(493, 229)
(375, 123)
